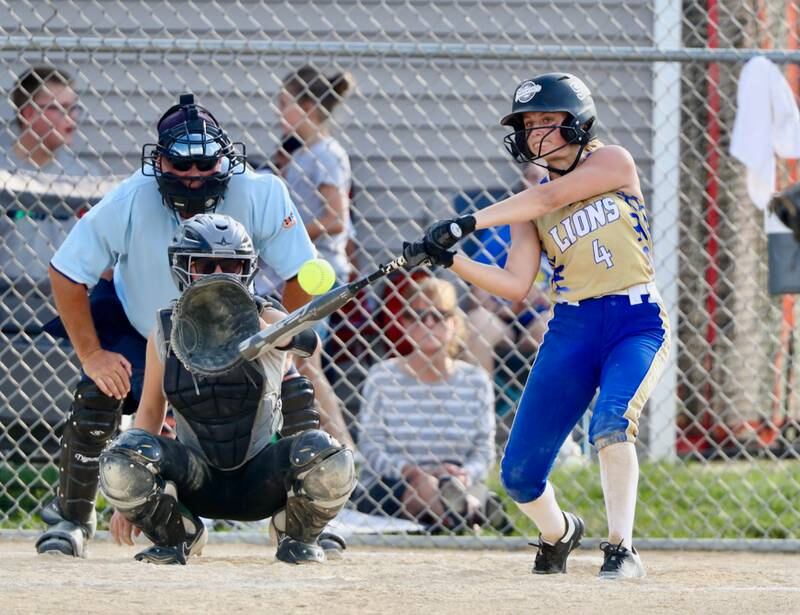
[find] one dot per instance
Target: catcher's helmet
(557, 92)
(189, 136)
(208, 240)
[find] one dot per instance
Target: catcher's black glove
(786, 205)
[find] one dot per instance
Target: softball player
(609, 330)
(225, 462)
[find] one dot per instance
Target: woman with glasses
(427, 422)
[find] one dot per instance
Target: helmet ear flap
(575, 132)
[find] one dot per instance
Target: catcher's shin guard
(297, 406)
(130, 481)
(321, 480)
(92, 422)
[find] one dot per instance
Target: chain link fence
(719, 438)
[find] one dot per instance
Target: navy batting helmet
(208, 241)
(555, 92)
(189, 136)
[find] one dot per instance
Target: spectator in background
(42, 182)
(319, 179)
(427, 421)
(47, 113)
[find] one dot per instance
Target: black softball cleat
(620, 562)
(552, 559)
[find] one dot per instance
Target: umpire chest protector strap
(227, 415)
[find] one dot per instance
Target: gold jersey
(597, 246)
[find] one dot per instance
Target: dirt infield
(244, 578)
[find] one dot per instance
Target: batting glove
(415, 254)
(419, 253)
(444, 235)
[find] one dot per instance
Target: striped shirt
(405, 421)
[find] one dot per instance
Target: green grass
(22, 488)
(715, 500)
(732, 500)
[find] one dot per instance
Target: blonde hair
(444, 297)
(593, 145)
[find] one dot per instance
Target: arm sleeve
(283, 243)
(374, 434)
(482, 455)
(95, 242)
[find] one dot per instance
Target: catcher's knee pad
(297, 406)
(92, 422)
(130, 481)
(129, 469)
(322, 477)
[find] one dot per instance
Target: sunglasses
(435, 315)
(207, 266)
(186, 164)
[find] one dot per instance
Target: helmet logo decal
(581, 91)
(526, 91)
(223, 242)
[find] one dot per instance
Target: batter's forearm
(490, 278)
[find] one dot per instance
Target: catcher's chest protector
(228, 417)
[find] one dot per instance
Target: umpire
(194, 168)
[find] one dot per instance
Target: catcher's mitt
(786, 205)
(210, 319)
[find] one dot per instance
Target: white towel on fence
(767, 124)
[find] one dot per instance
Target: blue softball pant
(615, 343)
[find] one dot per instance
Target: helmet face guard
(190, 138)
(207, 242)
(517, 142)
(556, 93)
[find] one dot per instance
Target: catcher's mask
(553, 92)
(190, 137)
(209, 244)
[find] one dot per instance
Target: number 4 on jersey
(602, 255)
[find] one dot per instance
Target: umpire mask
(193, 160)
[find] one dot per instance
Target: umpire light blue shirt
(130, 228)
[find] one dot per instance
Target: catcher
(226, 462)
